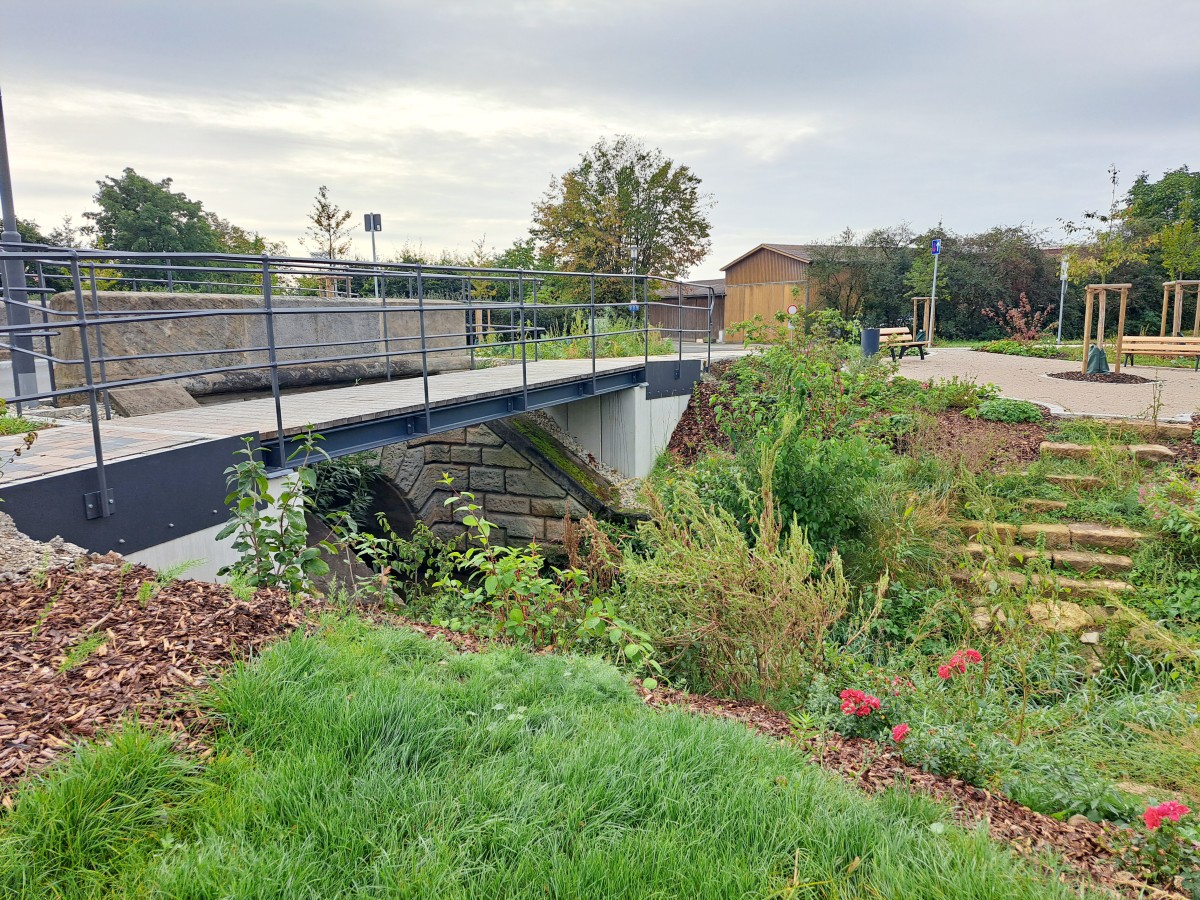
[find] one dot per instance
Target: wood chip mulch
(1105, 378)
(978, 444)
(145, 659)
(697, 432)
(873, 767)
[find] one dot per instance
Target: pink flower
(1154, 815)
(900, 732)
(973, 656)
(943, 672)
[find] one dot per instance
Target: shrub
(1010, 347)
(1002, 409)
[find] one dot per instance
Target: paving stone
(1053, 536)
(1060, 616)
(1017, 556)
(1076, 482)
(532, 483)
(484, 478)
(1149, 428)
(504, 456)
(1105, 537)
(1085, 561)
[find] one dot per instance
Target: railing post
(536, 348)
(521, 332)
(387, 342)
(100, 341)
(645, 322)
(424, 346)
(272, 358)
(592, 329)
(712, 302)
(42, 291)
(100, 505)
(680, 318)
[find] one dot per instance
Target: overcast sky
(451, 118)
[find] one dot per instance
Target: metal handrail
(272, 280)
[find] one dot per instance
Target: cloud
(452, 118)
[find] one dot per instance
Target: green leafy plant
(269, 529)
(81, 651)
(1001, 409)
(1164, 848)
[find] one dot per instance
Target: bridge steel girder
(356, 437)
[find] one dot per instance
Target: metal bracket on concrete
(92, 507)
(671, 378)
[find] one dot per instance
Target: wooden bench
(1154, 345)
(893, 339)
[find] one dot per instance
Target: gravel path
(1025, 378)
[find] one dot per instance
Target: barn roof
(800, 252)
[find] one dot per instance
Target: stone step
(1140, 452)
(1038, 505)
(1076, 482)
(1078, 535)
(1149, 428)
(1054, 584)
(1079, 560)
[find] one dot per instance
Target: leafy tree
(1174, 197)
(327, 234)
(620, 198)
(30, 232)
(1180, 245)
(235, 239)
(146, 216)
(862, 276)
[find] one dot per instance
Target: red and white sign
(793, 309)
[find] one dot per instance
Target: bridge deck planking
(69, 447)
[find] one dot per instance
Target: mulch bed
(697, 432)
(1109, 378)
(978, 444)
(151, 657)
(873, 768)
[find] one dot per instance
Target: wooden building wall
(761, 285)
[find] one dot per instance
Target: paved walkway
(1025, 378)
(69, 446)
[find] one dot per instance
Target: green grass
(80, 652)
(10, 424)
(372, 762)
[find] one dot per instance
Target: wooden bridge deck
(68, 447)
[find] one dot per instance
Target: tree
(862, 275)
(620, 198)
(1180, 245)
(235, 239)
(327, 235)
(1173, 197)
(146, 216)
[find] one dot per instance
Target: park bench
(893, 339)
(1177, 347)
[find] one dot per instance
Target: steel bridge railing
(68, 299)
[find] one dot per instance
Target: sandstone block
(484, 478)
(554, 530)
(1060, 616)
(1152, 453)
(1055, 536)
(437, 453)
(1003, 531)
(430, 481)
(1076, 482)
(481, 435)
(506, 503)
(1036, 504)
(1064, 451)
(551, 508)
(1105, 537)
(457, 436)
(1085, 561)
(402, 465)
(147, 399)
(465, 454)
(504, 456)
(525, 528)
(532, 483)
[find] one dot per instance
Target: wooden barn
(766, 280)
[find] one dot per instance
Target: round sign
(793, 309)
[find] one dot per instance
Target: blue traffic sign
(935, 246)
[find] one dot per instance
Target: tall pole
(936, 249)
(15, 296)
(375, 263)
(1062, 294)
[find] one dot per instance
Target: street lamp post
(373, 222)
(24, 367)
(1062, 294)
